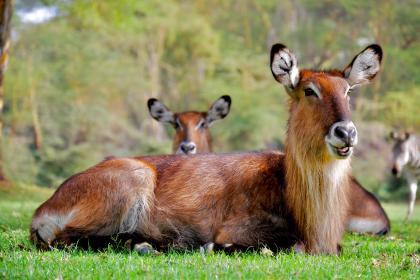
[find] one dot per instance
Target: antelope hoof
(339, 250)
(129, 244)
(207, 249)
(145, 249)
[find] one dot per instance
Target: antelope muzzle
(341, 139)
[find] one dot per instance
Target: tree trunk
(35, 121)
(6, 9)
(36, 124)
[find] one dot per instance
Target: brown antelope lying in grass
(192, 128)
(192, 136)
(242, 200)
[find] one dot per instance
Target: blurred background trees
(81, 72)
(6, 12)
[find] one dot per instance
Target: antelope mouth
(341, 152)
(181, 152)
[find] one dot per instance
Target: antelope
(192, 136)
(295, 199)
(406, 161)
(366, 214)
(192, 128)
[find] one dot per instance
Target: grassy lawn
(396, 256)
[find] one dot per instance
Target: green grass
(394, 257)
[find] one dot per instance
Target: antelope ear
(219, 109)
(159, 111)
(393, 135)
(284, 67)
(364, 66)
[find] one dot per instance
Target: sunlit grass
(396, 256)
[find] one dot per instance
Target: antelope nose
(188, 147)
(394, 171)
(346, 133)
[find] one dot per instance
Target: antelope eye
(310, 92)
(177, 124)
(201, 124)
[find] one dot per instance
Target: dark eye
(310, 92)
(201, 124)
(177, 124)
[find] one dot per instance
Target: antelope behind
(241, 200)
(192, 128)
(406, 161)
(366, 214)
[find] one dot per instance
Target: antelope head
(400, 152)
(320, 120)
(192, 128)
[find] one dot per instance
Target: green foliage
(400, 111)
(88, 73)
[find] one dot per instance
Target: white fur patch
(284, 66)
(325, 191)
(364, 67)
(135, 215)
(315, 89)
(333, 141)
(200, 124)
(336, 172)
(218, 110)
(137, 218)
(180, 151)
(48, 224)
(161, 113)
(365, 225)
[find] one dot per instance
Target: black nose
(348, 135)
(394, 171)
(187, 147)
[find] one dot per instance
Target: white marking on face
(333, 142)
(348, 88)
(178, 124)
(190, 148)
(315, 89)
(200, 124)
